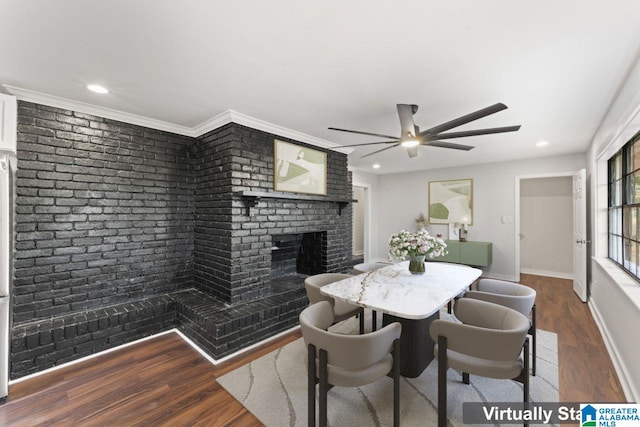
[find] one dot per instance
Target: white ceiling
(307, 65)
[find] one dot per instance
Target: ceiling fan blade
(476, 132)
(464, 119)
(448, 145)
(412, 151)
(378, 151)
(368, 143)
(406, 112)
(365, 133)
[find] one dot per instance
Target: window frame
(623, 207)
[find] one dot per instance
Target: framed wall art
(451, 201)
(299, 169)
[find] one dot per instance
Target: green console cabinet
(453, 253)
(477, 254)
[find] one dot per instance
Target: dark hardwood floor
(165, 382)
(586, 373)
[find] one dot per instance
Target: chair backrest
(368, 266)
(312, 285)
(350, 352)
(488, 331)
(504, 331)
(513, 295)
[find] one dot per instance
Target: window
(624, 206)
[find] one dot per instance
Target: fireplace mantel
(251, 199)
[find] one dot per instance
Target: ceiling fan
(411, 137)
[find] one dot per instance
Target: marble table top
(394, 290)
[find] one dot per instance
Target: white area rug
(274, 389)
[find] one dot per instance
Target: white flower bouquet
(406, 244)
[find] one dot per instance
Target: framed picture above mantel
(451, 201)
(298, 169)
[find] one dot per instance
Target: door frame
(519, 178)
(367, 218)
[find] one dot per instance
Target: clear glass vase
(416, 264)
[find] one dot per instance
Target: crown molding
(83, 107)
(231, 116)
(215, 122)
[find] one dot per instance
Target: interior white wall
(400, 198)
(615, 296)
(546, 204)
(370, 182)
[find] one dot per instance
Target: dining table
(413, 300)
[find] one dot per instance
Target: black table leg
(416, 345)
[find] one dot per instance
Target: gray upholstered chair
(341, 310)
(366, 267)
(346, 360)
(488, 342)
(513, 295)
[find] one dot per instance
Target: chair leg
(396, 383)
(311, 385)
(442, 381)
(534, 340)
(361, 319)
(374, 321)
(465, 378)
(525, 379)
(323, 388)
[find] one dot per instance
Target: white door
(580, 235)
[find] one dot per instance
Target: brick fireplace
(124, 231)
(233, 239)
(254, 246)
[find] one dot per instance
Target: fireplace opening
(296, 256)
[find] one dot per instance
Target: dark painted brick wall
(113, 219)
(104, 212)
(232, 257)
(213, 223)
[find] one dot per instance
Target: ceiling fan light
(410, 143)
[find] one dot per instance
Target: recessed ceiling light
(542, 143)
(97, 88)
(376, 166)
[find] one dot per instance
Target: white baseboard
(506, 277)
(546, 273)
(630, 393)
(237, 353)
(91, 356)
(174, 330)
